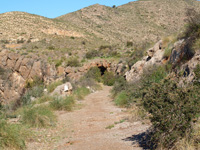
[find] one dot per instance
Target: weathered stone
(180, 51)
(36, 70)
(63, 90)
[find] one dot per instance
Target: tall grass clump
(34, 89)
(65, 103)
(11, 136)
(34, 92)
(40, 116)
(81, 92)
(44, 98)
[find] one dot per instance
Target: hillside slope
(14, 25)
(139, 21)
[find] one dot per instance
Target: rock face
(154, 57)
(180, 51)
(188, 67)
(76, 73)
(17, 70)
(181, 55)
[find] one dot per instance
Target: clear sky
(53, 8)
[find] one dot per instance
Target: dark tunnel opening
(102, 70)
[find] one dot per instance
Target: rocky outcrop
(187, 69)
(103, 65)
(181, 50)
(154, 57)
(19, 69)
(181, 55)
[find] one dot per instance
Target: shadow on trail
(143, 139)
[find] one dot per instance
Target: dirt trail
(85, 128)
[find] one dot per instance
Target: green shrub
(108, 78)
(51, 87)
(153, 75)
(173, 110)
(94, 73)
(81, 92)
(120, 85)
(51, 48)
(135, 91)
(121, 99)
(11, 136)
(129, 43)
(92, 53)
(105, 47)
(40, 116)
(4, 41)
(104, 51)
(65, 103)
(73, 62)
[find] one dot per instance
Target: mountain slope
(139, 21)
(14, 25)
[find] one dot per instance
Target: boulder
(63, 90)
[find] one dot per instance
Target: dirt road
(97, 125)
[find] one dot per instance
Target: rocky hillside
(139, 21)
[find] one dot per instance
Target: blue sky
(53, 8)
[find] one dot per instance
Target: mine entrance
(102, 70)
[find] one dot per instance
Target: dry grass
(169, 39)
(185, 144)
